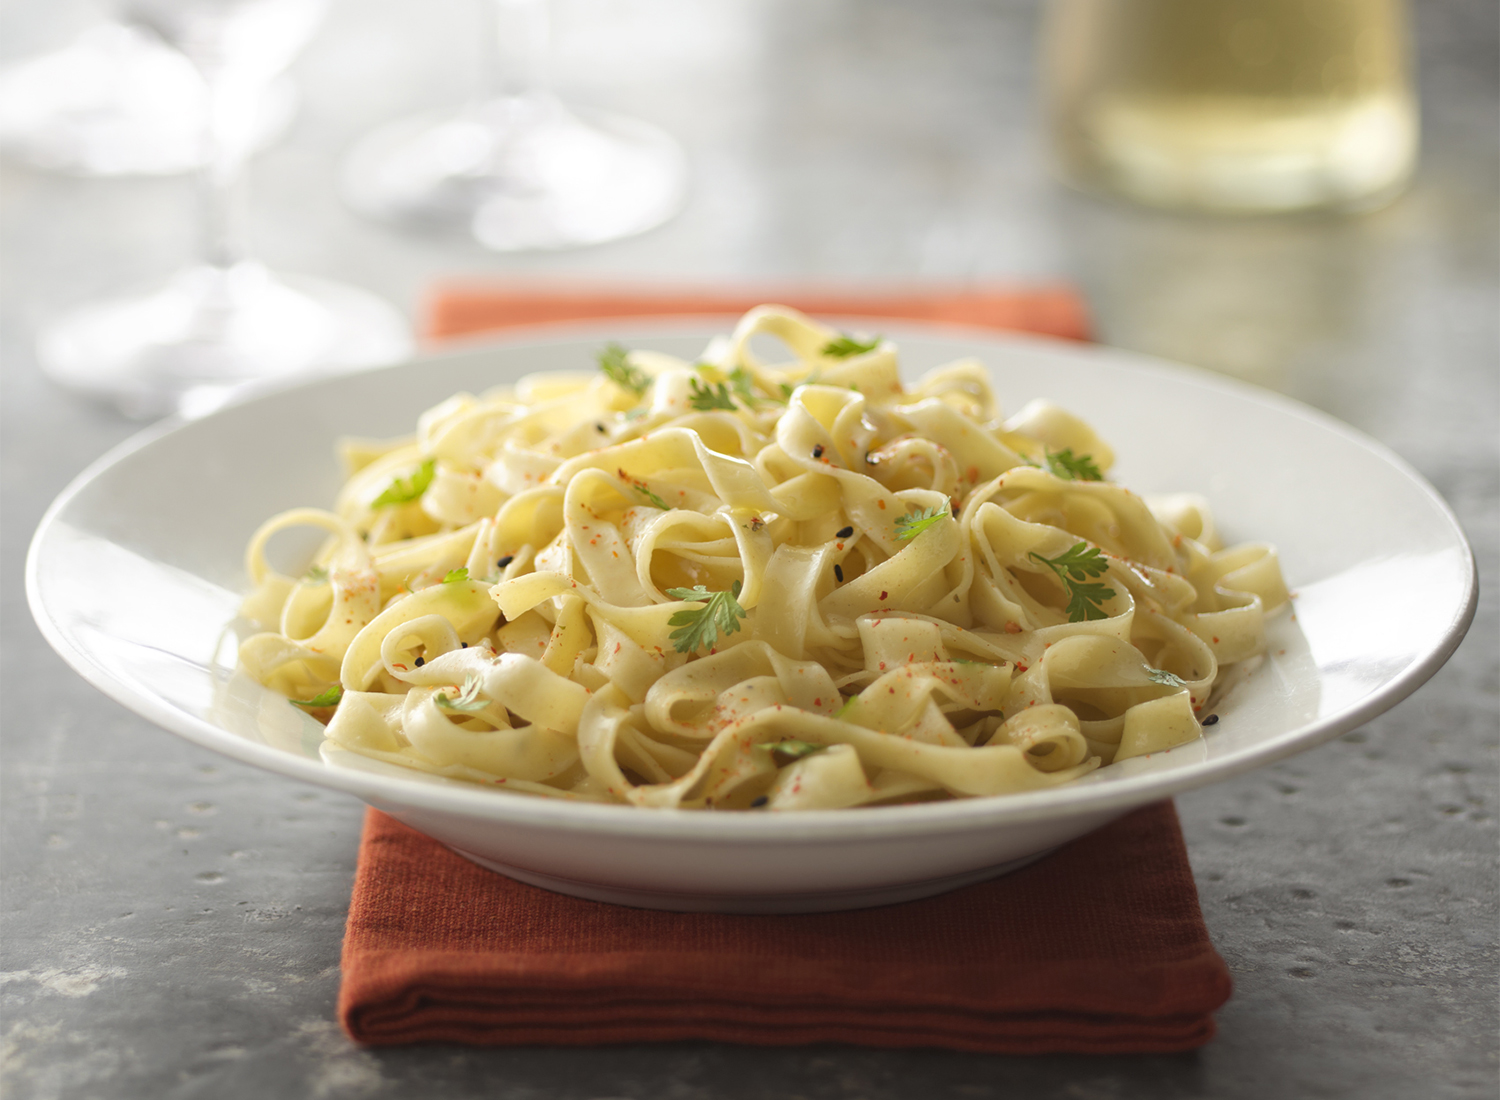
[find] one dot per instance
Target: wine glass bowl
(518, 168)
(520, 173)
(118, 101)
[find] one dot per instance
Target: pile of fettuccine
(733, 585)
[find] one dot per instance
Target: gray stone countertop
(172, 919)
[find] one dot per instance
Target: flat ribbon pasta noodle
(733, 583)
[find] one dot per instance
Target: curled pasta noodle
(733, 584)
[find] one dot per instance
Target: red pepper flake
(972, 473)
(883, 595)
(882, 504)
(1012, 628)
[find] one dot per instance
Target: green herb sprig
(744, 386)
(715, 395)
(846, 346)
(329, 698)
(404, 490)
(700, 627)
(1074, 568)
(614, 361)
(1165, 678)
(453, 576)
(316, 574)
(913, 524)
(1066, 465)
(468, 698)
(655, 500)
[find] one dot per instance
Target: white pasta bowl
(135, 576)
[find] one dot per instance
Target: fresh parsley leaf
(614, 361)
(453, 576)
(700, 627)
(913, 524)
(317, 574)
(743, 385)
(713, 396)
(787, 390)
(404, 490)
(1162, 676)
(846, 346)
(785, 752)
(1086, 602)
(1081, 562)
(329, 698)
(1070, 467)
(847, 707)
(468, 698)
(1074, 568)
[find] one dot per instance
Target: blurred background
(878, 142)
(834, 144)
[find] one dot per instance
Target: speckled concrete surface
(172, 919)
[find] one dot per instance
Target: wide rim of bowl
(692, 826)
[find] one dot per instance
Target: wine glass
(518, 168)
(118, 101)
(225, 324)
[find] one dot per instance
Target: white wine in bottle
(1232, 105)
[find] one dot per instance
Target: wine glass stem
(520, 50)
(231, 101)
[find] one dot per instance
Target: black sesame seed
(761, 801)
(421, 661)
(503, 562)
(838, 571)
(1210, 720)
(602, 428)
(818, 451)
(846, 532)
(464, 645)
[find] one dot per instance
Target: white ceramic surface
(135, 575)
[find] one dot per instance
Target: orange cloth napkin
(461, 309)
(1099, 948)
